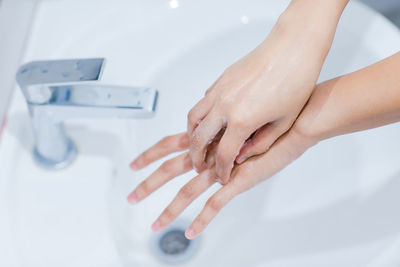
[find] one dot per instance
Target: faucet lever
(36, 77)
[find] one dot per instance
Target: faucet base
(56, 165)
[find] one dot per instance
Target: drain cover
(174, 242)
(172, 246)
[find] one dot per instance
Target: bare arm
(361, 100)
(266, 89)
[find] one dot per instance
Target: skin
(265, 90)
(361, 100)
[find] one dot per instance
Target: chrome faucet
(59, 89)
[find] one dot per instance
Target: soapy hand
(330, 111)
(248, 110)
(257, 99)
(244, 176)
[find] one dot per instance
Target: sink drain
(174, 242)
(173, 247)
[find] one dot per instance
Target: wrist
(322, 12)
(313, 21)
(305, 136)
(316, 123)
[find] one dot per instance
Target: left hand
(244, 176)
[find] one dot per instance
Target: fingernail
(156, 226)
(241, 159)
(189, 233)
(134, 166)
(132, 198)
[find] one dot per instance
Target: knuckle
(145, 157)
(167, 167)
(196, 140)
(166, 141)
(192, 116)
(214, 203)
(225, 98)
(187, 162)
(239, 122)
(183, 142)
(201, 222)
(142, 190)
(186, 192)
(168, 215)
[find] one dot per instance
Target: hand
(330, 111)
(244, 176)
(265, 91)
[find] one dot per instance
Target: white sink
(335, 206)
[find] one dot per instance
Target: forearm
(311, 24)
(361, 100)
(300, 40)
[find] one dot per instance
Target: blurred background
(389, 8)
(18, 13)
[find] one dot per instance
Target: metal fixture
(172, 247)
(60, 89)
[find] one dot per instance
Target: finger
(201, 109)
(165, 146)
(168, 170)
(245, 176)
(185, 196)
(202, 137)
(212, 149)
(261, 141)
(214, 204)
(198, 112)
(228, 149)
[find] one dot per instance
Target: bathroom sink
(335, 206)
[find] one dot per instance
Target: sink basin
(335, 206)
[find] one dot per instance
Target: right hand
(264, 92)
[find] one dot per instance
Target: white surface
(15, 17)
(317, 212)
(386, 6)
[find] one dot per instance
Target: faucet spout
(57, 90)
(103, 101)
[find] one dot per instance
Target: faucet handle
(35, 77)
